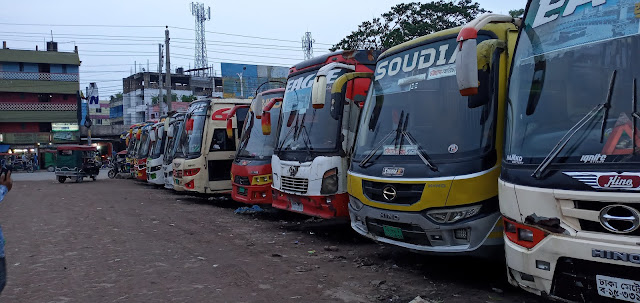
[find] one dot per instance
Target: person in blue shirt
(5, 186)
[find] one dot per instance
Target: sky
(112, 35)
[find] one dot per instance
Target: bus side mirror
(319, 91)
(230, 116)
(467, 62)
(152, 134)
(488, 55)
(260, 111)
(229, 128)
(338, 87)
(467, 57)
(265, 121)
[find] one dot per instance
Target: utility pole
(160, 98)
(168, 71)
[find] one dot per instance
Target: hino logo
(617, 181)
(389, 193)
(608, 180)
(620, 218)
(293, 170)
(616, 256)
(389, 216)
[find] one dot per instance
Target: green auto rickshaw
(76, 162)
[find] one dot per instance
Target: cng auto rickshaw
(76, 162)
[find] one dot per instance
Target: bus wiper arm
(306, 140)
(607, 105)
(564, 140)
(397, 131)
(421, 153)
(287, 136)
(574, 129)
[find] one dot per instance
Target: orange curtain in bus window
(189, 126)
(619, 140)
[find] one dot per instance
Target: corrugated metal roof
(13, 55)
(32, 86)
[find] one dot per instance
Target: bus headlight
(329, 182)
(453, 215)
(355, 203)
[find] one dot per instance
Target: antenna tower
(202, 15)
(307, 45)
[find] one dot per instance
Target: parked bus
(570, 181)
(158, 136)
(208, 152)
(425, 166)
(251, 169)
(172, 147)
(312, 153)
(143, 151)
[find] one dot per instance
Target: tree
(407, 21)
(154, 99)
(116, 97)
(516, 13)
(188, 98)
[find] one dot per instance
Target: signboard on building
(65, 127)
(242, 80)
(92, 95)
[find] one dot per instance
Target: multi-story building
(116, 109)
(140, 93)
(38, 97)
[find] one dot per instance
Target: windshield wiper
(607, 106)
(306, 140)
(291, 129)
(412, 141)
(401, 134)
(381, 143)
(573, 130)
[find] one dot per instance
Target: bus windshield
(573, 80)
(158, 145)
(194, 129)
(415, 108)
(304, 128)
(253, 143)
(144, 144)
(175, 148)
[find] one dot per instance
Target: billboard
(242, 80)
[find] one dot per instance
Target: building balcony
(38, 76)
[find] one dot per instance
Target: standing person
(5, 186)
(35, 162)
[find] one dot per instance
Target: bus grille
(407, 194)
(298, 185)
(596, 226)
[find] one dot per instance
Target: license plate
(295, 206)
(617, 288)
(393, 232)
(242, 190)
(177, 182)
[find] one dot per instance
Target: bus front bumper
(252, 194)
(327, 207)
(412, 230)
(566, 268)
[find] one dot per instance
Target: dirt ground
(125, 241)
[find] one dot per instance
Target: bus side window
(220, 141)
